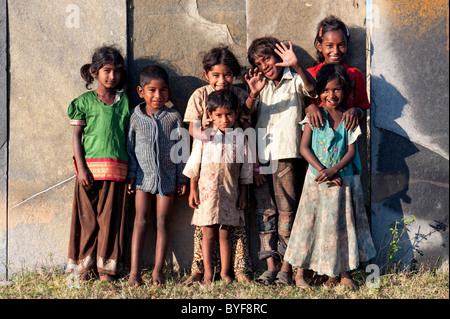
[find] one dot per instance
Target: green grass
(52, 284)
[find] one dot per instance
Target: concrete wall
(3, 137)
(409, 126)
(46, 43)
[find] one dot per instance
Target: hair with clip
(330, 23)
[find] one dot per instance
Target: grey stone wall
(3, 137)
(48, 43)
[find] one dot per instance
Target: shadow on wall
(390, 172)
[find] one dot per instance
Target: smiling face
(266, 64)
(332, 95)
(223, 118)
(155, 93)
(108, 76)
(333, 46)
(219, 77)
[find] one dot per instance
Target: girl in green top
(99, 119)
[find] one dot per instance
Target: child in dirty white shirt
(220, 172)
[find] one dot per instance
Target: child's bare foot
(319, 280)
(192, 278)
(87, 275)
(207, 281)
(135, 280)
(242, 277)
(300, 281)
(106, 278)
(348, 282)
(332, 281)
(226, 278)
(158, 278)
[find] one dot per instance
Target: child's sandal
(267, 278)
(283, 278)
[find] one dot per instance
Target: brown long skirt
(97, 231)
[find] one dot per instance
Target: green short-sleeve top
(104, 136)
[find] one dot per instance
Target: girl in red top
(331, 43)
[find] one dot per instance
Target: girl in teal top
(331, 234)
(99, 119)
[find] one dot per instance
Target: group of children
(310, 211)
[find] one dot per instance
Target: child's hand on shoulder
(286, 54)
(315, 117)
(351, 118)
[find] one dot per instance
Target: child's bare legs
(225, 254)
(163, 212)
(271, 264)
(209, 235)
(197, 262)
(141, 224)
(286, 267)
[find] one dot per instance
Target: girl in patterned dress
(331, 234)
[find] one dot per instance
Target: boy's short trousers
(276, 204)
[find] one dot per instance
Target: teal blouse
(330, 146)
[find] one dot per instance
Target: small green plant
(397, 229)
